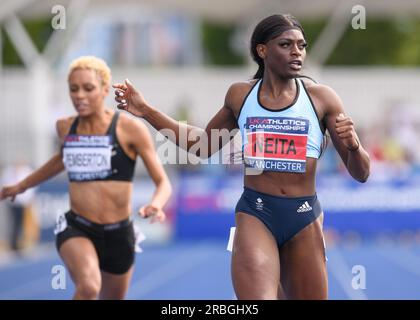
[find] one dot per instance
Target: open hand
(11, 192)
(129, 99)
(151, 211)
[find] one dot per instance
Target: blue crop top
(280, 140)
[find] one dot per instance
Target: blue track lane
(201, 270)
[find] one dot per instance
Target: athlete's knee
(309, 294)
(253, 280)
(88, 289)
(256, 295)
(116, 294)
(252, 263)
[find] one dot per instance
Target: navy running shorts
(283, 216)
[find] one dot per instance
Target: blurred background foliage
(383, 42)
(38, 29)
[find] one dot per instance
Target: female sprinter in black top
(95, 238)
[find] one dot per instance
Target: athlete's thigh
(115, 286)
(255, 260)
(80, 257)
(303, 265)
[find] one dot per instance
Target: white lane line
(40, 254)
(28, 290)
(176, 267)
(33, 255)
(403, 258)
(342, 273)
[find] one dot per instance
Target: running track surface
(201, 271)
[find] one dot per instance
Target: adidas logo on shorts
(259, 204)
(304, 207)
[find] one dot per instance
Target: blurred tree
(39, 31)
(312, 30)
(383, 42)
(218, 44)
(9, 54)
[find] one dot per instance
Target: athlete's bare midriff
(101, 201)
(284, 184)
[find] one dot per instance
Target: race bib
(139, 238)
(276, 143)
(60, 223)
(87, 157)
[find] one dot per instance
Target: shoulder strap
(73, 128)
(113, 125)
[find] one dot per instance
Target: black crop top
(96, 157)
